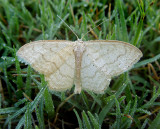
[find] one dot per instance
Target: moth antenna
(68, 26)
(93, 29)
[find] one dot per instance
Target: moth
(89, 65)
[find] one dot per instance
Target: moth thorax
(79, 46)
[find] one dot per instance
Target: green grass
(131, 101)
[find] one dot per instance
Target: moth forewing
(53, 58)
(103, 60)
